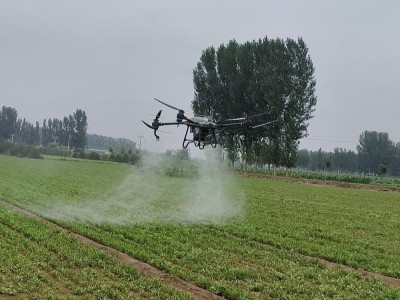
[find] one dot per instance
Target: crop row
(38, 262)
(234, 268)
(352, 226)
(238, 237)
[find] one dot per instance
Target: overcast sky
(111, 58)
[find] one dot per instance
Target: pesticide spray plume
(213, 198)
(146, 195)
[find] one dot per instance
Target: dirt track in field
(197, 292)
(142, 267)
(320, 182)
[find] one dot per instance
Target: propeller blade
(235, 119)
(264, 124)
(170, 106)
(159, 114)
(246, 117)
(264, 113)
(148, 125)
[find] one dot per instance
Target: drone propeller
(264, 124)
(235, 119)
(245, 117)
(158, 115)
(155, 124)
(170, 106)
(151, 127)
(181, 113)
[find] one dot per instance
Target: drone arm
(227, 125)
(169, 123)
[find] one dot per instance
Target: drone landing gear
(201, 137)
(186, 142)
(195, 140)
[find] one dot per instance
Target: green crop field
(238, 237)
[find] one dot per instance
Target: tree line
(270, 77)
(69, 132)
(101, 142)
(376, 154)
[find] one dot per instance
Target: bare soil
(321, 182)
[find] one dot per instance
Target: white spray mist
(145, 196)
(211, 197)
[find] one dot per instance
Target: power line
(325, 140)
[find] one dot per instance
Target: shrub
(20, 150)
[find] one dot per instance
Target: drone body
(203, 128)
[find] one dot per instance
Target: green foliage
(28, 133)
(8, 123)
(38, 262)
(100, 142)
(69, 132)
(20, 150)
(93, 155)
(132, 157)
(382, 169)
(376, 149)
(341, 160)
(175, 167)
(385, 182)
(258, 255)
(54, 150)
(79, 131)
(265, 76)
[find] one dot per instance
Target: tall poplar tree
(79, 132)
(268, 76)
(8, 123)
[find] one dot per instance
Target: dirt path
(144, 268)
(320, 182)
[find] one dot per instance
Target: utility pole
(140, 141)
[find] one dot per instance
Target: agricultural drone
(204, 128)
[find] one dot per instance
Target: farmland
(237, 237)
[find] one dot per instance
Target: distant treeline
(68, 132)
(340, 160)
(101, 142)
(376, 154)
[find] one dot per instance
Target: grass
(241, 237)
(37, 261)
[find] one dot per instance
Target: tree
(27, 133)
(101, 142)
(303, 160)
(78, 124)
(344, 160)
(270, 76)
(374, 149)
(8, 123)
(382, 169)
